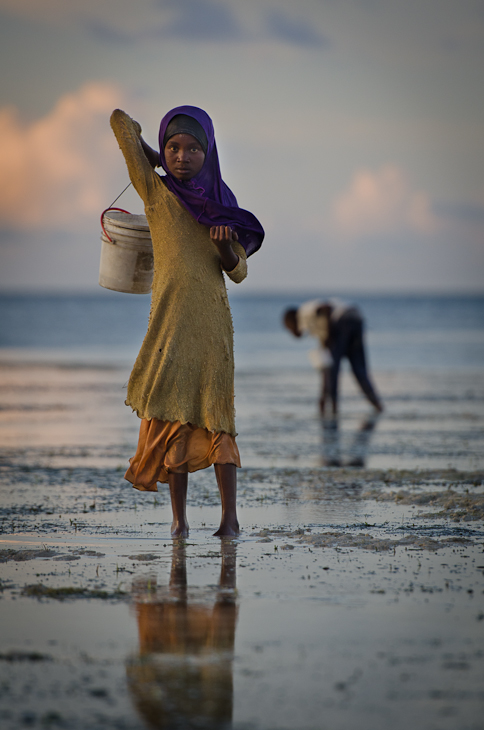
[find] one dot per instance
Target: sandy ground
(354, 597)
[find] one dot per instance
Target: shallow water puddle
(264, 632)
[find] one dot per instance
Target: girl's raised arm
(140, 168)
(152, 155)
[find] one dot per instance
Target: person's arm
(222, 237)
(152, 156)
(128, 135)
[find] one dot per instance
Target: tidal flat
(354, 596)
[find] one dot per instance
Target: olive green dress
(182, 383)
(185, 368)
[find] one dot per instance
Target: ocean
(403, 332)
(425, 353)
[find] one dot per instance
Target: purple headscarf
(206, 197)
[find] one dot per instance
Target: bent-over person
(339, 329)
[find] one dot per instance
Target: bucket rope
(111, 208)
(115, 199)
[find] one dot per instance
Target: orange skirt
(171, 446)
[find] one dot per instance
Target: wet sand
(354, 596)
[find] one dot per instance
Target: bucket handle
(102, 220)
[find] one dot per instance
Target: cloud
(467, 33)
(200, 20)
(107, 33)
(382, 202)
(194, 20)
(56, 172)
(214, 21)
(472, 213)
(123, 21)
(292, 29)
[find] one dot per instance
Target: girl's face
(184, 156)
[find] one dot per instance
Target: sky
(353, 129)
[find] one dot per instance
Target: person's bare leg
(326, 394)
(178, 484)
(227, 484)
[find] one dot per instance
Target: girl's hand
(222, 236)
(152, 156)
(137, 127)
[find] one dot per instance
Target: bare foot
(179, 530)
(227, 530)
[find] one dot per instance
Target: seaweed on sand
(39, 590)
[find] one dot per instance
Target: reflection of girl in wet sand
(182, 384)
(183, 675)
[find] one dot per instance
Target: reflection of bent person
(183, 675)
(339, 329)
(357, 449)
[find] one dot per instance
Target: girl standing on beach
(182, 383)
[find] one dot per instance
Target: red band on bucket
(102, 220)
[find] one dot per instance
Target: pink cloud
(382, 202)
(59, 171)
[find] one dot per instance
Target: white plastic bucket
(126, 252)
